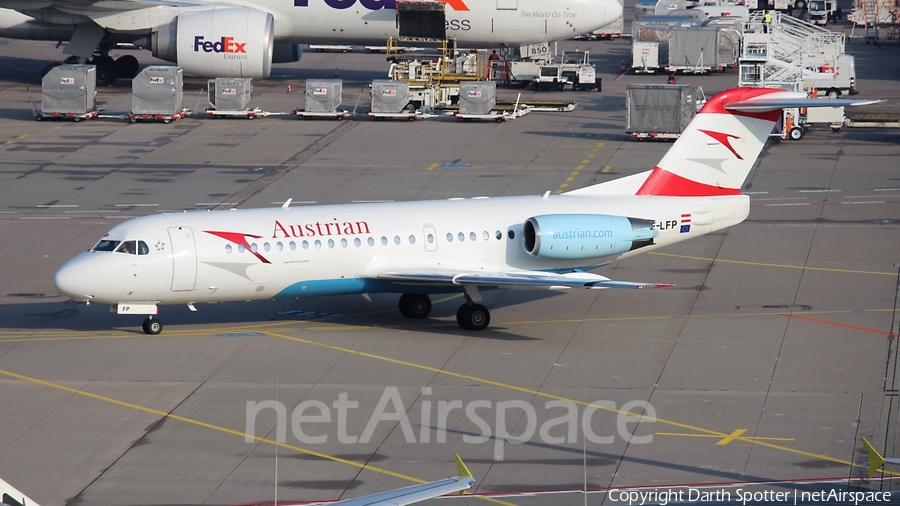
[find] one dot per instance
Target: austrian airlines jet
(242, 38)
(427, 247)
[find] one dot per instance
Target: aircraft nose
(73, 279)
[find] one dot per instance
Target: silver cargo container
(157, 90)
(69, 89)
(694, 49)
(389, 96)
(230, 93)
(323, 95)
(661, 110)
(477, 97)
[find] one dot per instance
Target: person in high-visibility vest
(767, 19)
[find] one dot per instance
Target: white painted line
(756, 193)
(787, 204)
(216, 204)
(94, 211)
(56, 205)
(867, 202)
(136, 205)
(869, 196)
(782, 198)
(885, 189)
(46, 217)
(369, 201)
(820, 191)
(295, 202)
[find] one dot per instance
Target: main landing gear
(108, 69)
(152, 326)
(469, 316)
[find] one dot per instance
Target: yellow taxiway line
(538, 393)
(225, 430)
(764, 264)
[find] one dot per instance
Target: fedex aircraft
(242, 38)
(446, 246)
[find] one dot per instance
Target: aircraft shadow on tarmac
(350, 310)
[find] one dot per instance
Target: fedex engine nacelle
(220, 42)
(576, 236)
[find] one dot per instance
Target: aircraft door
(507, 4)
(430, 236)
(184, 259)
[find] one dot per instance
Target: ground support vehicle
(337, 114)
(165, 118)
(521, 73)
(550, 78)
(822, 11)
(247, 113)
(577, 68)
(872, 120)
(320, 48)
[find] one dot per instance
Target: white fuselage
(339, 249)
(474, 23)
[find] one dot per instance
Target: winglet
(875, 458)
(461, 468)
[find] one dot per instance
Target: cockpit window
(127, 247)
(143, 249)
(106, 245)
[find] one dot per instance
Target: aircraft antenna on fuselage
(287, 203)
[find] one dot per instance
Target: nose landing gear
(152, 326)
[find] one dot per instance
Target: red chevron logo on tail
(724, 139)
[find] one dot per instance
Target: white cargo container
(645, 57)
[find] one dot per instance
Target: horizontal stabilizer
(776, 101)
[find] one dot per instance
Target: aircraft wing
(416, 493)
(509, 279)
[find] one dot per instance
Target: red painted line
(843, 325)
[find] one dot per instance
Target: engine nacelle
(578, 236)
(220, 42)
